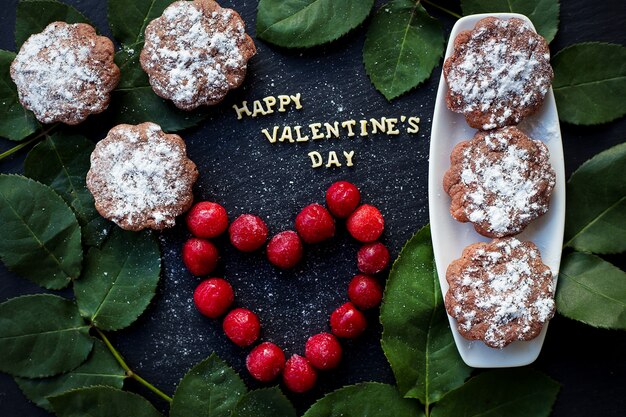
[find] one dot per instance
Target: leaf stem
(151, 387)
(129, 372)
(114, 351)
(443, 9)
(26, 143)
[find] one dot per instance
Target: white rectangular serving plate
(450, 236)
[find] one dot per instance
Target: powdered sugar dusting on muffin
(195, 52)
(504, 179)
(500, 292)
(500, 181)
(141, 177)
(65, 73)
(499, 73)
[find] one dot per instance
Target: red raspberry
(372, 258)
(265, 362)
(365, 292)
(315, 224)
(285, 249)
(342, 198)
(248, 233)
(347, 321)
(213, 297)
(366, 224)
(207, 220)
(242, 327)
(200, 256)
(299, 375)
(323, 351)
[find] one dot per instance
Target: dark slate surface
(245, 173)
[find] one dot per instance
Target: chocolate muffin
(500, 292)
(65, 73)
(498, 74)
(500, 181)
(196, 52)
(141, 177)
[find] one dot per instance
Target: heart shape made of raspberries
(248, 233)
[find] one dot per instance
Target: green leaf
(41, 335)
(131, 72)
(590, 83)
(129, 23)
(368, 399)
(306, 23)
(33, 16)
(268, 402)
(40, 233)
(119, 279)
(102, 402)
(62, 162)
(101, 368)
(16, 123)
(592, 290)
(416, 334)
(209, 389)
(139, 103)
(596, 203)
(519, 392)
(402, 47)
(543, 13)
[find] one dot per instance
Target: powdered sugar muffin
(498, 74)
(196, 52)
(500, 180)
(65, 73)
(140, 177)
(500, 292)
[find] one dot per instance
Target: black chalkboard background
(244, 172)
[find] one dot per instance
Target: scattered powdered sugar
(140, 173)
(495, 74)
(59, 76)
(504, 183)
(547, 129)
(505, 289)
(193, 58)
